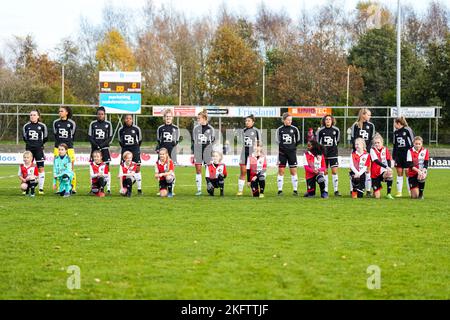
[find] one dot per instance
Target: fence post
(17, 124)
(387, 126)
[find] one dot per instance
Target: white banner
(112, 76)
(409, 112)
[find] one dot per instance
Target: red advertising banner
(309, 112)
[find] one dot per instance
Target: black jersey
(203, 135)
(288, 137)
(367, 132)
(130, 136)
(35, 134)
(403, 140)
(329, 138)
(64, 131)
(167, 136)
(100, 134)
(249, 137)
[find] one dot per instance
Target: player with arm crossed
(288, 138)
(100, 135)
(256, 171)
(216, 173)
(380, 167)
(417, 160)
(35, 135)
(63, 172)
(314, 170)
(250, 137)
(329, 136)
(64, 131)
(127, 174)
(130, 139)
(99, 172)
(365, 130)
(203, 137)
(28, 174)
(403, 141)
(359, 164)
(165, 173)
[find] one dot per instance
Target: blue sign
(121, 102)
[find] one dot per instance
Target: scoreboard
(120, 92)
(119, 87)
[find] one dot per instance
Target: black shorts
(331, 162)
(106, 156)
(38, 156)
(376, 182)
(311, 184)
(358, 183)
(215, 183)
(244, 156)
(285, 157)
(202, 155)
(136, 151)
(413, 182)
(163, 184)
(400, 159)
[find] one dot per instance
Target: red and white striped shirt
(417, 158)
(381, 155)
(164, 167)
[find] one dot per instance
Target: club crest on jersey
(202, 139)
(100, 134)
(129, 139)
(167, 136)
(328, 141)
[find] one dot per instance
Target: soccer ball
(24, 186)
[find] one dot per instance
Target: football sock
(262, 186)
(41, 180)
(139, 180)
(399, 184)
(294, 180)
(198, 181)
(335, 182)
(389, 186)
(241, 184)
(326, 182)
(421, 187)
(280, 180)
(108, 183)
(368, 182)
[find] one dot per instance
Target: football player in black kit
(130, 139)
(168, 135)
(100, 135)
(329, 136)
(403, 141)
(35, 135)
(64, 130)
(203, 137)
(365, 130)
(250, 137)
(287, 137)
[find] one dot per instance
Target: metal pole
(346, 109)
(399, 30)
(181, 78)
(220, 129)
(62, 85)
(264, 86)
(387, 127)
(303, 132)
(17, 125)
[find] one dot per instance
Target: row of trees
(305, 60)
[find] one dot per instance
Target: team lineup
(371, 162)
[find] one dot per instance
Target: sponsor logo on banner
(121, 102)
(439, 162)
(309, 112)
(258, 112)
(409, 112)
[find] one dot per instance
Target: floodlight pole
(399, 32)
(62, 85)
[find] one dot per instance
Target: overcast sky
(51, 20)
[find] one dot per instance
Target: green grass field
(222, 248)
